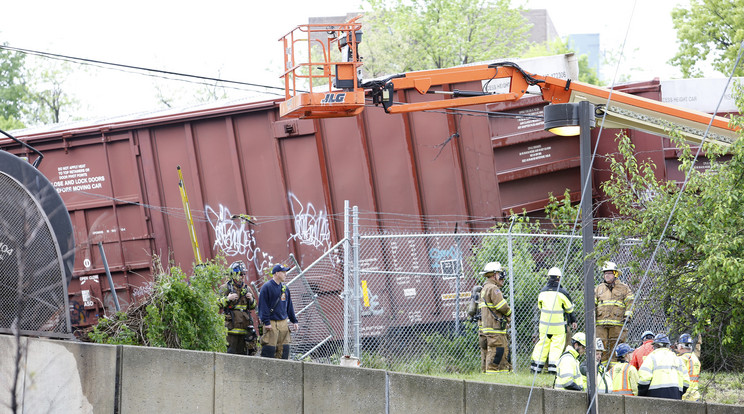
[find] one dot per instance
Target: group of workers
(275, 313)
(653, 369)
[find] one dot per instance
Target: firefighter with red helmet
(495, 317)
(692, 364)
(236, 302)
(613, 300)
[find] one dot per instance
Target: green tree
(13, 90)
(708, 30)
(700, 275)
(47, 100)
(587, 74)
(181, 313)
(402, 36)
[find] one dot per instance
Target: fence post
(357, 294)
(513, 329)
(347, 244)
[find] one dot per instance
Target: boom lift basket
(322, 70)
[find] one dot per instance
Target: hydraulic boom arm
(619, 110)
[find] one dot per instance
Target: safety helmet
(661, 339)
(492, 267)
(238, 268)
(579, 337)
(600, 345)
(622, 350)
(685, 339)
(647, 335)
(610, 266)
(554, 272)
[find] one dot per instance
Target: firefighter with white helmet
(692, 364)
(663, 374)
(613, 300)
(604, 376)
(495, 317)
(554, 302)
(568, 375)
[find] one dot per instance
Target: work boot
(268, 351)
(285, 351)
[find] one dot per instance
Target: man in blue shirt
(274, 309)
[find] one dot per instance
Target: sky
(238, 40)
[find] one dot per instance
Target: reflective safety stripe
(552, 323)
(611, 303)
(237, 331)
(609, 322)
(493, 371)
(241, 307)
(557, 312)
(486, 331)
(663, 385)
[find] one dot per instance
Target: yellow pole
(189, 219)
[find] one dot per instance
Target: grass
(719, 388)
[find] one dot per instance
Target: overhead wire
(584, 189)
(681, 191)
(157, 73)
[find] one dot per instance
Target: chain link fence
(33, 288)
(413, 290)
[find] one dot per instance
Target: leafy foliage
(182, 312)
(13, 89)
(587, 73)
(402, 36)
(701, 281)
(709, 29)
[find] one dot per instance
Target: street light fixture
(578, 119)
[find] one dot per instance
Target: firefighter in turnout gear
(624, 374)
(613, 300)
(692, 364)
(553, 303)
(568, 374)
(236, 302)
(604, 375)
(495, 317)
(663, 374)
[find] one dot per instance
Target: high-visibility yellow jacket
(613, 304)
(662, 375)
(495, 312)
(553, 303)
(692, 364)
(568, 375)
(624, 379)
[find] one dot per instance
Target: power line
(104, 64)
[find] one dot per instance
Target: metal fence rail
(413, 292)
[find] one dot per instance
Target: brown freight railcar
(119, 181)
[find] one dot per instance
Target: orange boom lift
(331, 75)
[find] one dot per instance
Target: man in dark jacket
(274, 309)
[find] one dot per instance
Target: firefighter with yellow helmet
(554, 302)
(568, 375)
(495, 317)
(613, 300)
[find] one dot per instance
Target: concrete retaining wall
(68, 377)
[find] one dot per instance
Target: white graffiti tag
(235, 238)
(311, 227)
